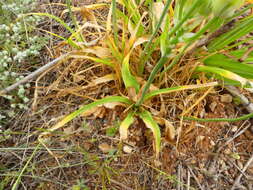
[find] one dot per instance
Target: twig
(196, 179)
(188, 180)
(121, 185)
(246, 103)
(179, 170)
(237, 181)
(33, 74)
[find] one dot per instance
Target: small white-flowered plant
(18, 45)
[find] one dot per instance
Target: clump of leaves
(139, 35)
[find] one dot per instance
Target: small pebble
(234, 128)
(127, 149)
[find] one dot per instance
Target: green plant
(19, 44)
(129, 46)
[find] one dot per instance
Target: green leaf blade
(87, 107)
(128, 79)
(177, 89)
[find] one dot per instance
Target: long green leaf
(241, 29)
(178, 88)
(87, 107)
(224, 62)
(125, 125)
(128, 78)
(151, 124)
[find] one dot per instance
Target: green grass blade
(147, 46)
(125, 125)
(114, 22)
(73, 18)
(164, 36)
(17, 182)
(57, 19)
(244, 117)
(151, 124)
(128, 79)
(188, 14)
(68, 40)
(224, 62)
(178, 88)
(241, 29)
(87, 107)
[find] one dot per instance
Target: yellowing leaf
(224, 73)
(151, 124)
(125, 125)
(83, 109)
(178, 88)
(106, 78)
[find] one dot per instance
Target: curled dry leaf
(132, 94)
(89, 112)
(140, 41)
(170, 132)
(97, 112)
(106, 78)
(100, 112)
(199, 139)
(112, 105)
(100, 52)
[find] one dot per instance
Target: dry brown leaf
(100, 112)
(140, 41)
(170, 131)
(106, 78)
(100, 52)
(89, 112)
(112, 105)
